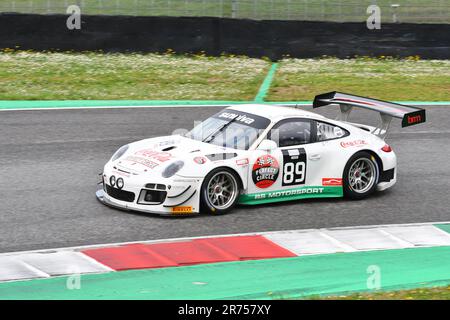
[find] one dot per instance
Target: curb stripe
(213, 249)
(200, 251)
(283, 278)
(43, 265)
(440, 224)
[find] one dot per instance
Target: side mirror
(267, 145)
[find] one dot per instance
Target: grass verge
(437, 293)
(88, 76)
(386, 78)
(100, 76)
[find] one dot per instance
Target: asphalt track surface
(50, 162)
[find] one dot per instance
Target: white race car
(256, 154)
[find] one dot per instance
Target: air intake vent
(120, 194)
(155, 186)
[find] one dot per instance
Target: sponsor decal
(120, 173)
(242, 162)
(355, 143)
(294, 167)
(182, 210)
(178, 187)
(200, 160)
(265, 171)
(414, 119)
(149, 157)
(145, 162)
(153, 154)
(243, 118)
(292, 194)
(186, 180)
(237, 117)
(332, 181)
(165, 143)
(287, 193)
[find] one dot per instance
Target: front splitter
(100, 195)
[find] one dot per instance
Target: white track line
(345, 247)
(41, 273)
(443, 232)
(401, 242)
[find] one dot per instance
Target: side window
(326, 131)
(291, 132)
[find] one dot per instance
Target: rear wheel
(220, 191)
(360, 175)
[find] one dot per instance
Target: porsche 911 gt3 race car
(256, 154)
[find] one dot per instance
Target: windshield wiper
(214, 134)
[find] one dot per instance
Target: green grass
(99, 76)
(437, 293)
(390, 79)
(433, 11)
(76, 76)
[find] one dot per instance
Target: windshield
(230, 129)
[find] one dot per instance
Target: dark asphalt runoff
(50, 162)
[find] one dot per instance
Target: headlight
(120, 152)
(119, 183)
(172, 168)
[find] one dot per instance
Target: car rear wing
(388, 110)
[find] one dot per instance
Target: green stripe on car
(292, 194)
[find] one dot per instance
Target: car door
(304, 164)
(301, 159)
(294, 164)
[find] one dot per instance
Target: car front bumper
(181, 196)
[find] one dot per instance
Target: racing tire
(361, 175)
(220, 191)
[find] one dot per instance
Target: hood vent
(169, 148)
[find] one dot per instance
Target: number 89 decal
(294, 167)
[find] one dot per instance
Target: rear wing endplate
(387, 110)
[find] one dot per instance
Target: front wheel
(220, 191)
(360, 176)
